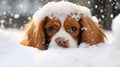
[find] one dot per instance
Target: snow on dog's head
(116, 27)
(60, 10)
(62, 24)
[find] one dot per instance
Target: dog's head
(63, 31)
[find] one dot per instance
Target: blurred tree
(105, 11)
(116, 7)
(15, 13)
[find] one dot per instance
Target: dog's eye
(73, 29)
(51, 29)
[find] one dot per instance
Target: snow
(94, 18)
(4, 13)
(103, 16)
(60, 10)
(88, 2)
(116, 27)
(2, 21)
(111, 15)
(84, 28)
(109, 58)
(16, 16)
(101, 10)
(96, 6)
(12, 54)
(29, 18)
(21, 5)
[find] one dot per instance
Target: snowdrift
(12, 54)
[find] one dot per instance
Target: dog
(62, 24)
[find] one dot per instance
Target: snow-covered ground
(12, 54)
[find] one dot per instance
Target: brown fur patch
(93, 33)
(34, 35)
(54, 23)
(68, 24)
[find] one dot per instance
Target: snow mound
(109, 58)
(13, 54)
(60, 10)
(116, 27)
(93, 56)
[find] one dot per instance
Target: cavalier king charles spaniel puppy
(62, 24)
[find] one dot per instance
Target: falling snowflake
(96, 6)
(2, 21)
(16, 16)
(21, 6)
(103, 16)
(29, 18)
(111, 15)
(88, 2)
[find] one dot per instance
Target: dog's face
(65, 33)
(62, 33)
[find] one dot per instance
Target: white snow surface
(12, 54)
(60, 10)
(116, 27)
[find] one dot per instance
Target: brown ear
(28, 39)
(91, 33)
(34, 35)
(40, 35)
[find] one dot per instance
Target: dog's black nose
(62, 42)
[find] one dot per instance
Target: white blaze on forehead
(60, 10)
